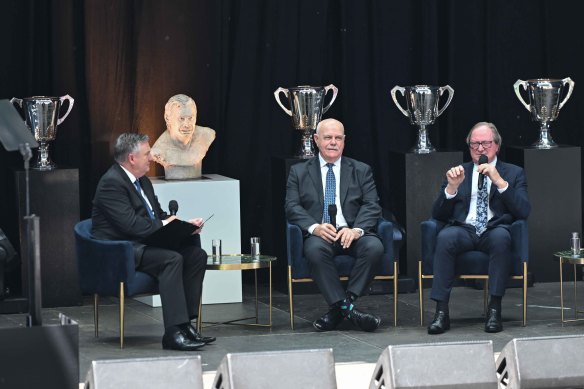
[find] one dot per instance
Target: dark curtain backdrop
(121, 61)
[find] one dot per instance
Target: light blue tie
(482, 209)
(139, 189)
(329, 192)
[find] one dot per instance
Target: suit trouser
(320, 254)
(454, 240)
(180, 280)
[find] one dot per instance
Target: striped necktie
(139, 189)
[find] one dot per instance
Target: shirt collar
(130, 175)
(323, 162)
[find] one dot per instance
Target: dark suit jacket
(507, 207)
(119, 212)
(358, 195)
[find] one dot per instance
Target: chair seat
(107, 268)
(299, 268)
(474, 263)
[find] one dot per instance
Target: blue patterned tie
(482, 209)
(139, 189)
(329, 192)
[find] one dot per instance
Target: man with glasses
(478, 212)
(346, 185)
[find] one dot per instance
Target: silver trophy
(42, 116)
(544, 104)
(306, 108)
(422, 103)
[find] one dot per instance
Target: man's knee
(500, 239)
(315, 249)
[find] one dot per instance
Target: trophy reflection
(306, 108)
(42, 116)
(422, 109)
(544, 104)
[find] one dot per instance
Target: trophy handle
(277, 96)
(17, 102)
(71, 100)
(335, 91)
(571, 83)
(402, 91)
(516, 87)
(450, 96)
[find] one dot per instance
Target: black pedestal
(41, 356)
(555, 192)
(415, 181)
(54, 197)
(280, 169)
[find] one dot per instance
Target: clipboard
(171, 235)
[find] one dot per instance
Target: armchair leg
(524, 294)
(395, 293)
(485, 296)
(421, 293)
(96, 314)
(290, 297)
(121, 315)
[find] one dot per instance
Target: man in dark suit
(477, 219)
(348, 184)
(125, 208)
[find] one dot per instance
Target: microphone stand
(32, 223)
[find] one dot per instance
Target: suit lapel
(315, 175)
(468, 172)
(346, 173)
(132, 187)
(501, 169)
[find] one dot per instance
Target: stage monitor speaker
(146, 373)
(277, 369)
(543, 362)
(436, 365)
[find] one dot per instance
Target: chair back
(474, 262)
(103, 264)
(390, 237)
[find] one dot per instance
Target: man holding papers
(126, 208)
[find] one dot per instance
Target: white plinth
(216, 195)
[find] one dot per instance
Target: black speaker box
(146, 373)
(436, 365)
(277, 369)
(545, 362)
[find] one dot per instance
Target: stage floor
(144, 325)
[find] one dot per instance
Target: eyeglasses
(486, 144)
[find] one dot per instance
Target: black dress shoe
(193, 335)
(366, 321)
(440, 323)
(178, 340)
(494, 322)
(329, 321)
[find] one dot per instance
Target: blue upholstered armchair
(474, 264)
(299, 271)
(106, 268)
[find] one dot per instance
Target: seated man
(478, 201)
(126, 208)
(331, 179)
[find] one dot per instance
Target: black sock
(351, 296)
(346, 306)
(442, 306)
(495, 302)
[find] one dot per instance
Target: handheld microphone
(173, 207)
(332, 210)
(482, 159)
